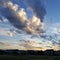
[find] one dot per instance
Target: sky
(30, 24)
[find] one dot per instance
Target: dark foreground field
(6, 57)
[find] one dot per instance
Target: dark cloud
(18, 17)
(55, 43)
(16, 20)
(12, 17)
(37, 8)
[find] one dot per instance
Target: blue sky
(30, 24)
(53, 10)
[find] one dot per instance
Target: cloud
(5, 45)
(1, 43)
(10, 34)
(6, 32)
(37, 8)
(28, 45)
(33, 45)
(2, 19)
(3, 32)
(12, 15)
(18, 18)
(56, 31)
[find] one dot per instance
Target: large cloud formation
(18, 17)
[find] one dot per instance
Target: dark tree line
(30, 52)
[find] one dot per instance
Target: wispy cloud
(29, 45)
(6, 32)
